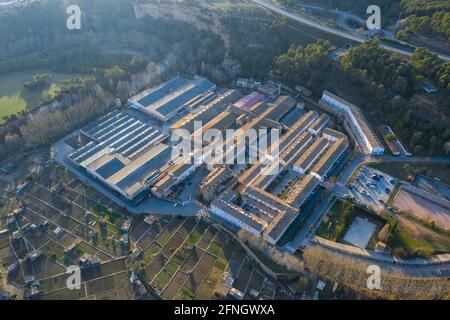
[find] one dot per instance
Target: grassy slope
(418, 239)
(11, 105)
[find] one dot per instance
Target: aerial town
(177, 185)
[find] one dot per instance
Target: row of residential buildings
(354, 120)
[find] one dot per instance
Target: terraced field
(189, 258)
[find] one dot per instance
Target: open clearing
(14, 98)
(11, 105)
(417, 239)
(423, 208)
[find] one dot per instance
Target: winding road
(342, 33)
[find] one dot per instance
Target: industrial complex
(130, 153)
(257, 151)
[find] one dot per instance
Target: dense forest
(383, 84)
(426, 18)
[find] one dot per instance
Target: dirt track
(422, 208)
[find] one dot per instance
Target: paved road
(387, 265)
(315, 219)
(343, 15)
(342, 33)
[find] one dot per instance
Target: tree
(11, 139)
(102, 95)
(446, 147)
(418, 149)
(114, 75)
(301, 284)
(383, 235)
(390, 137)
(122, 90)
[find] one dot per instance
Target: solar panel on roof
(102, 121)
(141, 145)
(119, 133)
(134, 136)
(182, 99)
(129, 134)
(110, 168)
(139, 139)
(115, 129)
(99, 129)
(87, 155)
(83, 149)
(100, 133)
(163, 91)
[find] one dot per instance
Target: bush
(301, 285)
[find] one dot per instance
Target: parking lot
(372, 188)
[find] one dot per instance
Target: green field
(11, 105)
(412, 238)
(14, 98)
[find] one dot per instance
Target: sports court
(360, 232)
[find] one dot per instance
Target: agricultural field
(189, 258)
(58, 232)
(173, 257)
(11, 105)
